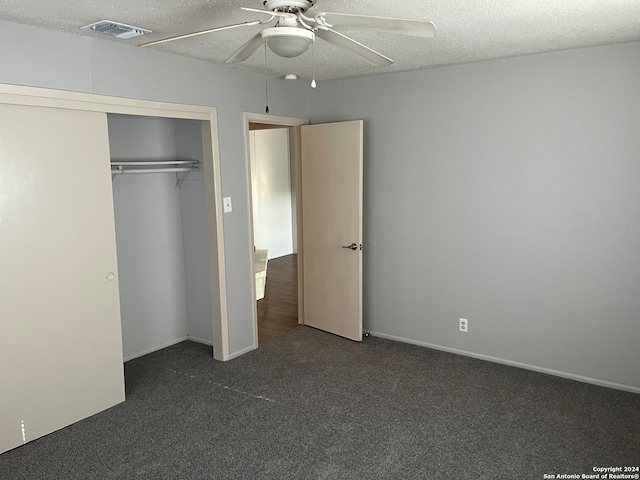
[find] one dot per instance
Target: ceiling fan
(294, 31)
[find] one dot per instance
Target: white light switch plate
(226, 202)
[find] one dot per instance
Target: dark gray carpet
(314, 406)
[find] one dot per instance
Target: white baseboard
(230, 357)
(557, 373)
(240, 352)
(155, 349)
(200, 340)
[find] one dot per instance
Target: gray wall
(508, 193)
(504, 192)
(194, 233)
(40, 58)
(272, 191)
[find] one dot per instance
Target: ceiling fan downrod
(288, 6)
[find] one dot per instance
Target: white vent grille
(115, 29)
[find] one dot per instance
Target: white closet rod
(120, 167)
(154, 162)
(154, 170)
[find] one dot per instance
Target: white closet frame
(43, 97)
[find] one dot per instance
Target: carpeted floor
(311, 405)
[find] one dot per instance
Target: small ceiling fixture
(291, 76)
(116, 29)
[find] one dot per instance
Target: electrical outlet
(464, 325)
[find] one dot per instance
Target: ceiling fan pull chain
(313, 65)
(266, 82)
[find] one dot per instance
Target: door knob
(353, 246)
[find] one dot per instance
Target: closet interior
(161, 232)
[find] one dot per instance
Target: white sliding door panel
(60, 333)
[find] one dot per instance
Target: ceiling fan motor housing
(290, 6)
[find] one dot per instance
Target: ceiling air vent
(115, 29)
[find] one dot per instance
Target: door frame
(284, 122)
(44, 97)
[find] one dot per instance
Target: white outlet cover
(464, 325)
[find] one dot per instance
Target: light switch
(226, 201)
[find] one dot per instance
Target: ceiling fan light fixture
(288, 42)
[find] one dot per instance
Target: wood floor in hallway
(278, 310)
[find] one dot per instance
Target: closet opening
(161, 232)
(70, 339)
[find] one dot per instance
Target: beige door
(332, 220)
(60, 333)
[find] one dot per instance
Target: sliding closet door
(60, 334)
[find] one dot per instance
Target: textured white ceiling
(468, 30)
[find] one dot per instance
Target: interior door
(331, 171)
(60, 332)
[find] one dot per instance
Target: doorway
(273, 189)
(333, 154)
(275, 223)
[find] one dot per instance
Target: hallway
(278, 310)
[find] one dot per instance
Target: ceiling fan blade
(246, 50)
(202, 32)
(416, 28)
(342, 41)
